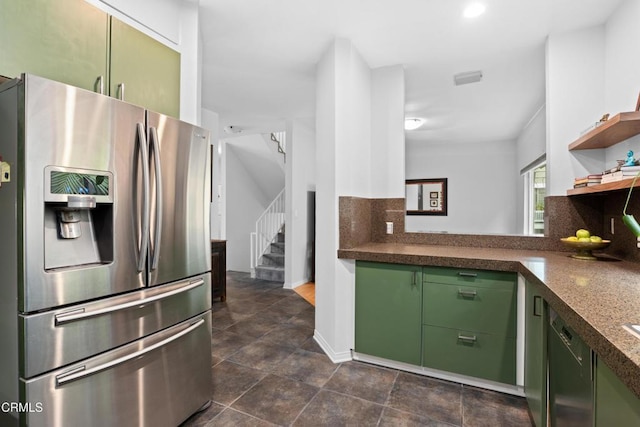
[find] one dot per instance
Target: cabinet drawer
(469, 277)
(482, 309)
(479, 355)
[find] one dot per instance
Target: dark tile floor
(268, 370)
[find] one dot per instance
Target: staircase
(267, 242)
(271, 266)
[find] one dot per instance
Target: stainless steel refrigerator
(105, 261)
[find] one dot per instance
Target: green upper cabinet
(63, 40)
(144, 71)
(73, 42)
(535, 355)
(388, 310)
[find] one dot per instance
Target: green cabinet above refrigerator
(144, 71)
(73, 42)
(63, 40)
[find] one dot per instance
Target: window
(535, 183)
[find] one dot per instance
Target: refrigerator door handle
(81, 314)
(82, 372)
(144, 244)
(155, 146)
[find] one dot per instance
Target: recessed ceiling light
(474, 10)
(412, 123)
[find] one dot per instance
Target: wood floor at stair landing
(308, 292)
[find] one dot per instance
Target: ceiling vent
(467, 77)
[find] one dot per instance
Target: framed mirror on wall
(426, 196)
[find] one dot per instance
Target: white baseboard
(340, 357)
(443, 375)
(295, 284)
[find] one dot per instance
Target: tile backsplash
(364, 220)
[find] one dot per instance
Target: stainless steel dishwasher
(570, 376)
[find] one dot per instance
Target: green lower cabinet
(475, 354)
(615, 404)
(388, 311)
(535, 355)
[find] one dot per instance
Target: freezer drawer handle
(82, 372)
(81, 314)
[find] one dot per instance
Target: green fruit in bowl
(572, 239)
(596, 239)
(584, 239)
(582, 233)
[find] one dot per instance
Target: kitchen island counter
(594, 297)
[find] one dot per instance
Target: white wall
(343, 127)
(531, 143)
(355, 108)
(300, 179)
(482, 181)
(387, 136)
(590, 72)
(622, 71)
(245, 201)
(574, 101)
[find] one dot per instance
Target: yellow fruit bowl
(583, 249)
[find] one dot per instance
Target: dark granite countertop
(594, 297)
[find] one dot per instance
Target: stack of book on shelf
(619, 173)
(587, 181)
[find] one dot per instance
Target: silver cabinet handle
(467, 294)
(144, 245)
(120, 91)
(463, 274)
(467, 338)
(100, 85)
(81, 314)
(155, 146)
(537, 306)
(81, 371)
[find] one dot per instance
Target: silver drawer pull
(466, 338)
(463, 274)
(81, 314)
(82, 371)
(467, 294)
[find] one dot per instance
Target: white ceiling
(259, 58)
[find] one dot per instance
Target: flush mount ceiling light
(413, 123)
(474, 10)
(467, 77)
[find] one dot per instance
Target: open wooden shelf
(618, 128)
(602, 188)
